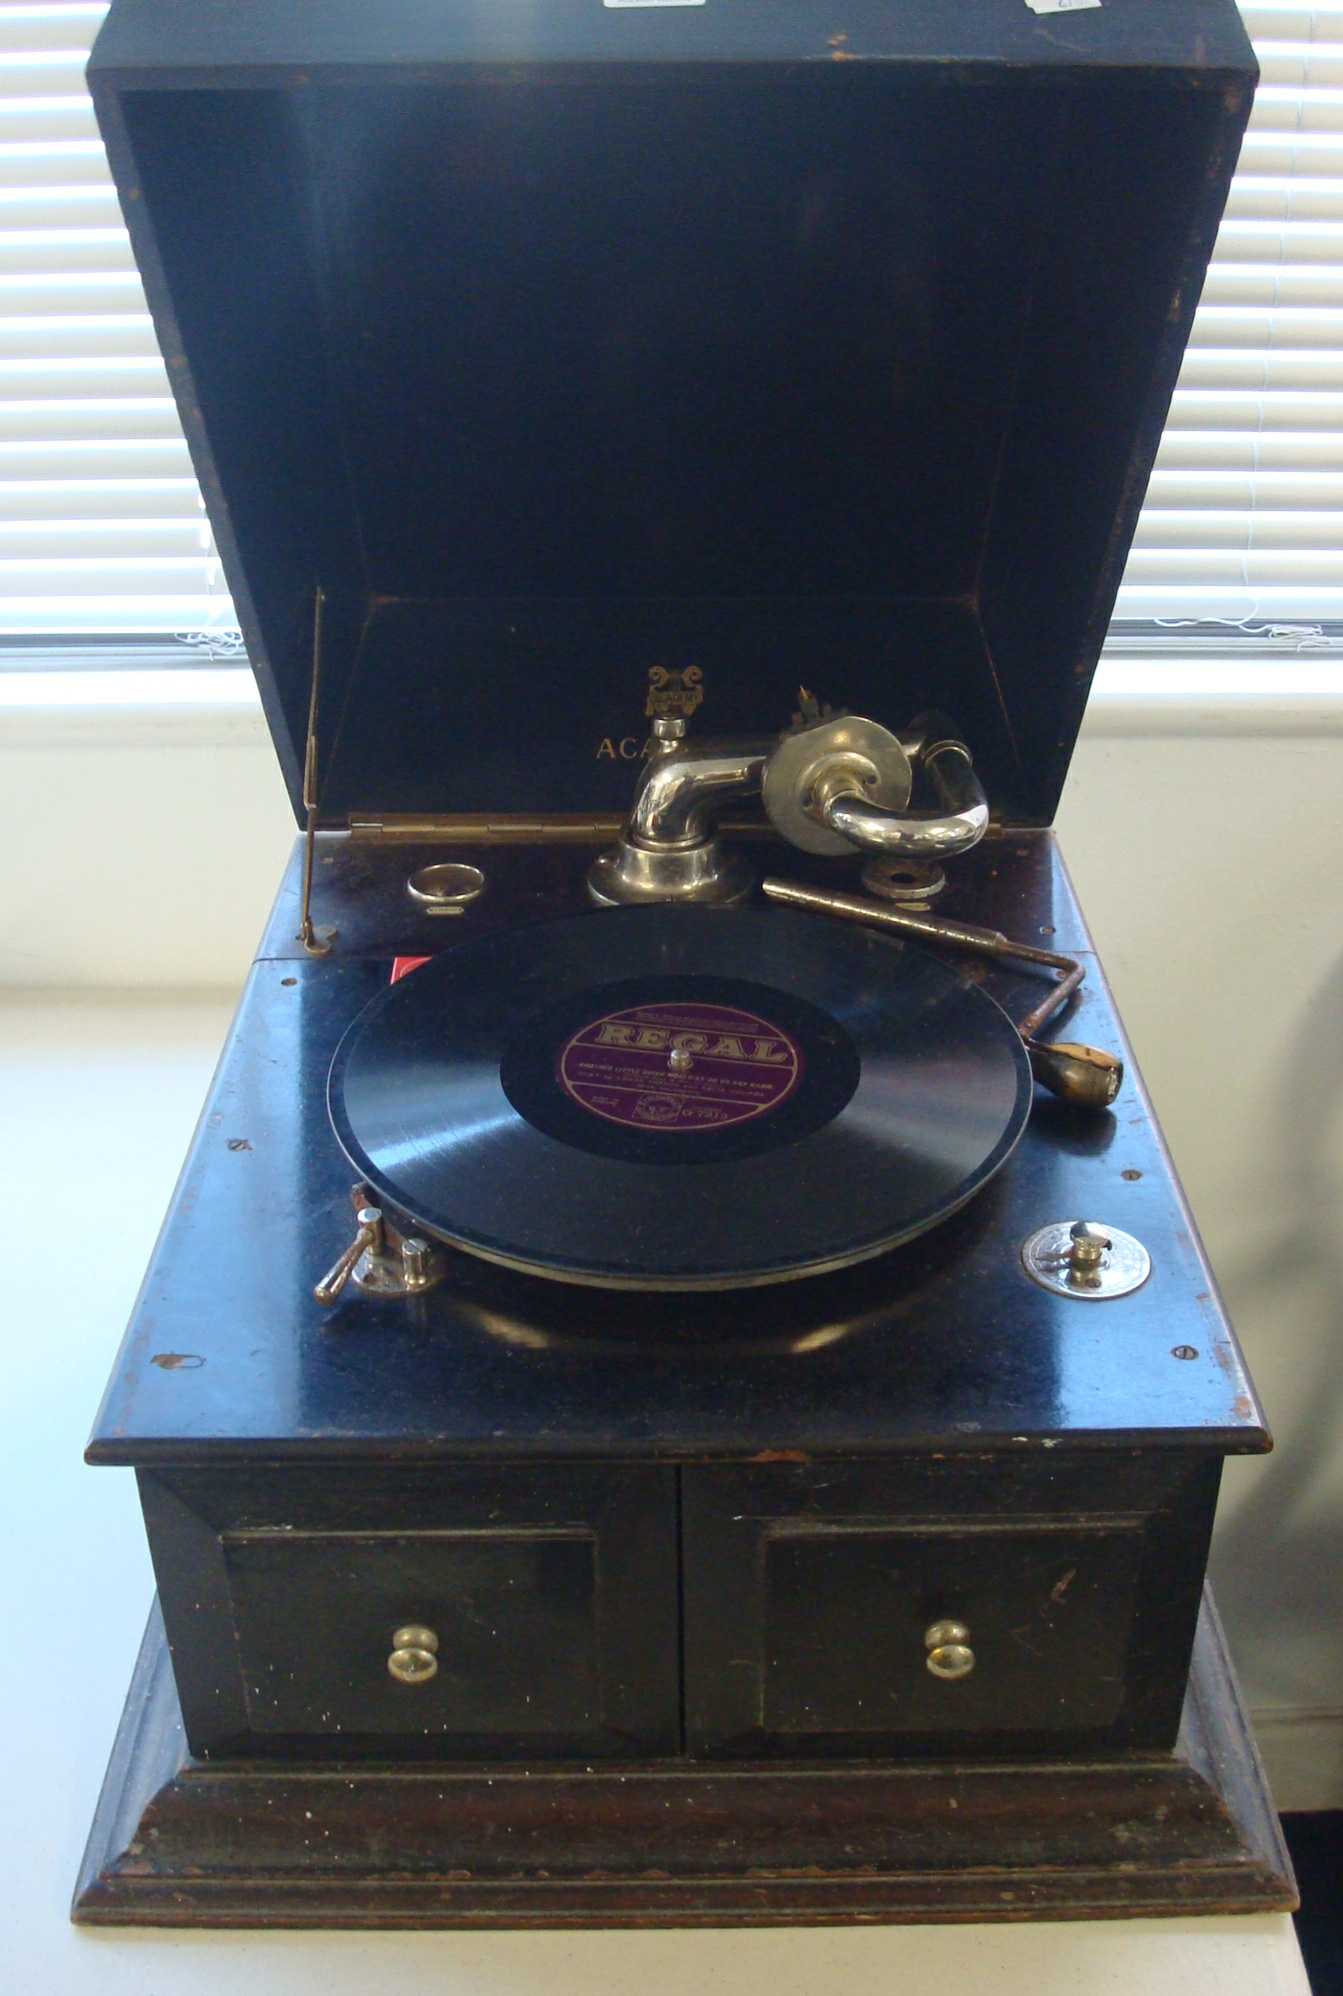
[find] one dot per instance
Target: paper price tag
(1036, 6)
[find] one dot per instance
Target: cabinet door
(1056, 1606)
(549, 1596)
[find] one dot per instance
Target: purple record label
(679, 1066)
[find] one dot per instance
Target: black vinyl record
(680, 1098)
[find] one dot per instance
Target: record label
(679, 1067)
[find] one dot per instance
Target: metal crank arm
(1086, 1076)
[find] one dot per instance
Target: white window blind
(1244, 514)
(102, 531)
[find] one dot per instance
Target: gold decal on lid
(673, 692)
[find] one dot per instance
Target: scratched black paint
(801, 1432)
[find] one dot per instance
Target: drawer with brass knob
(503, 1612)
(945, 1606)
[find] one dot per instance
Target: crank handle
(1088, 1077)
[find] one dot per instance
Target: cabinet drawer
(814, 1600)
(513, 1615)
(845, 1615)
(549, 1595)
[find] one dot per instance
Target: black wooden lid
(561, 342)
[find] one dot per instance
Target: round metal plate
(1124, 1268)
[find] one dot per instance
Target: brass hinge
(487, 828)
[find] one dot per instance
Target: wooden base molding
(257, 1843)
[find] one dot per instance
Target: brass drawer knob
(413, 1659)
(949, 1651)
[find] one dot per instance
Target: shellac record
(680, 1098)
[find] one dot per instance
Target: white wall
(142, 839)
(1212, 872)
(1207, 843)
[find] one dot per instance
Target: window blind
(1244, 514)
(102, 530)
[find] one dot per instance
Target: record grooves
(679, 1098)
(763, 1067)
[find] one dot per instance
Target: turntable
(678, 1385)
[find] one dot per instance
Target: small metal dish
(447, 888)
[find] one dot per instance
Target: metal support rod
(307, 934)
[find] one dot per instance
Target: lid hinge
(487, 828)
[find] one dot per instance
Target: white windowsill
(1291, 695)
(185, 707)
(218, 707)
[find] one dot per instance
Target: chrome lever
(378, 1260)
(369, 1239)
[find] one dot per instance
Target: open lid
(560, 344)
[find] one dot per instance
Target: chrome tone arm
(683, 786)
(669, 851)
(839, 782)
(840, 803)
(830, 783)
(839, 754)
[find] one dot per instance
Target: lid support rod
(307, 934)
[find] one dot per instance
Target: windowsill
(1292, 695)
(171, 707)
(218, 706)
